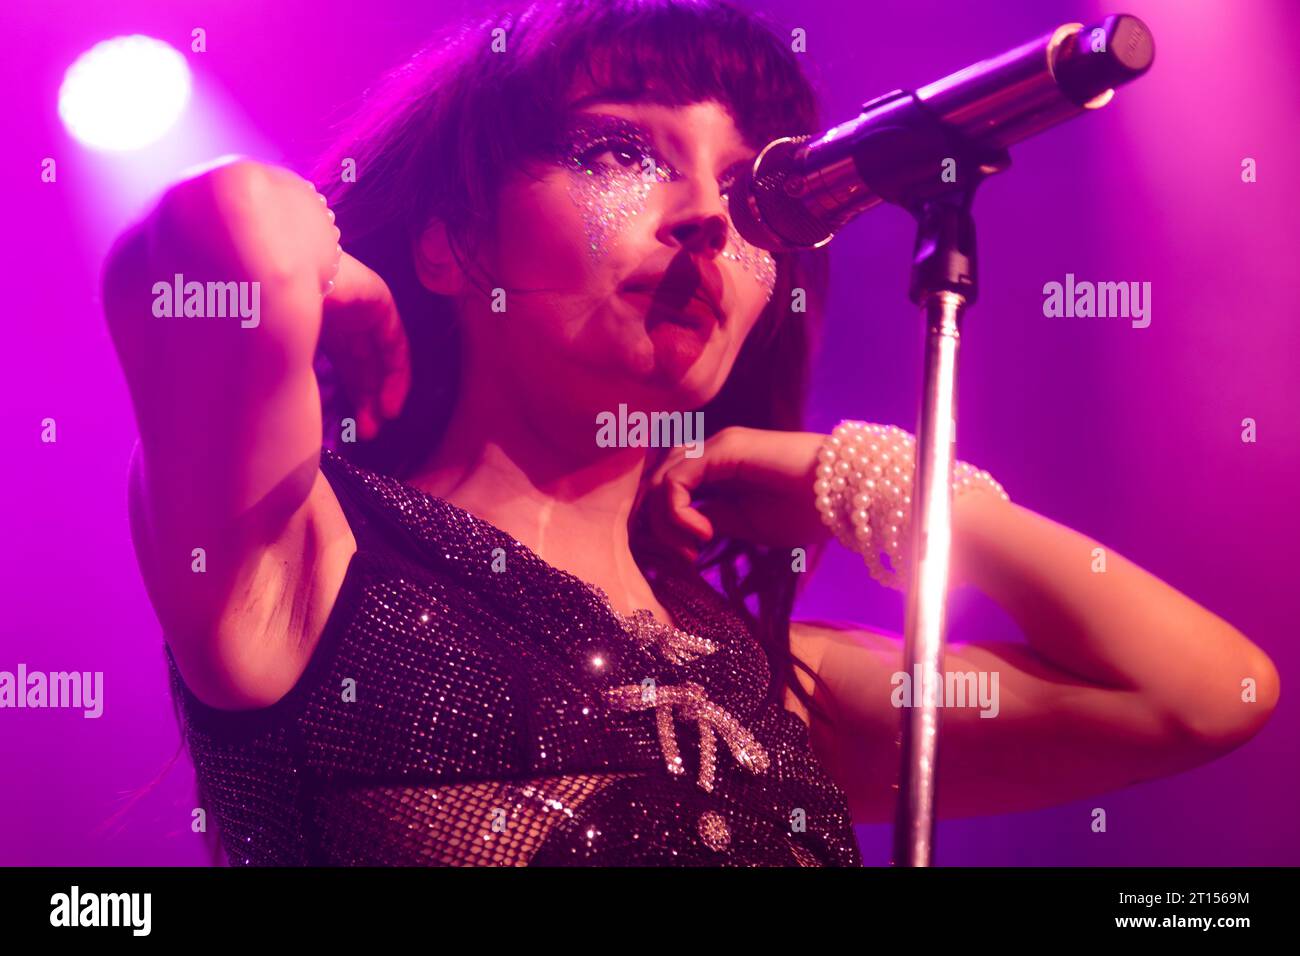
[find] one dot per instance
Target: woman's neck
(531, 473)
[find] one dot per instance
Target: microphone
(905, 147)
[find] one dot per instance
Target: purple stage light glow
(1132, 435)
(124, 93)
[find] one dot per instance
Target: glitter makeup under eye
(753, 260)
(609, 197)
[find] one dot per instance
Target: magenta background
(1129, 435)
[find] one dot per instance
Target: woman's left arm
(1123, 678)
(1092, 613)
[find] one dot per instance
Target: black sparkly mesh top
(470, 704)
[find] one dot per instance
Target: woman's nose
(697, 220)
(704, 235)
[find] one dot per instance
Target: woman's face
(624, 279)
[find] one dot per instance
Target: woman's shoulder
(383, 565)
(383, 512)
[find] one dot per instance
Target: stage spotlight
(124, 93)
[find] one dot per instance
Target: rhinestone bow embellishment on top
(693, 704)
(671, 643)
(679, 647)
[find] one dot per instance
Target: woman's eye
(623, 153)
(727, 181)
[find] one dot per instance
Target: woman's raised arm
(214, 304)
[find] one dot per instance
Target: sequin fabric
(470, 704)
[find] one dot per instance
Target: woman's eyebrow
(606, 96)
(597, 123)
(577, 116)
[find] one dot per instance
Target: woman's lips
(694, 314)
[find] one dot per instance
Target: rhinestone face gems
(755, 261)
(610, 193)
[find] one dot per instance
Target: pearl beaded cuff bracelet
(863, 493)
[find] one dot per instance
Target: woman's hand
(246, 220)
(254, 221)
(752, 483)
(362, 336)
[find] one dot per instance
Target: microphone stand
(944, 282)
(900, 149)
